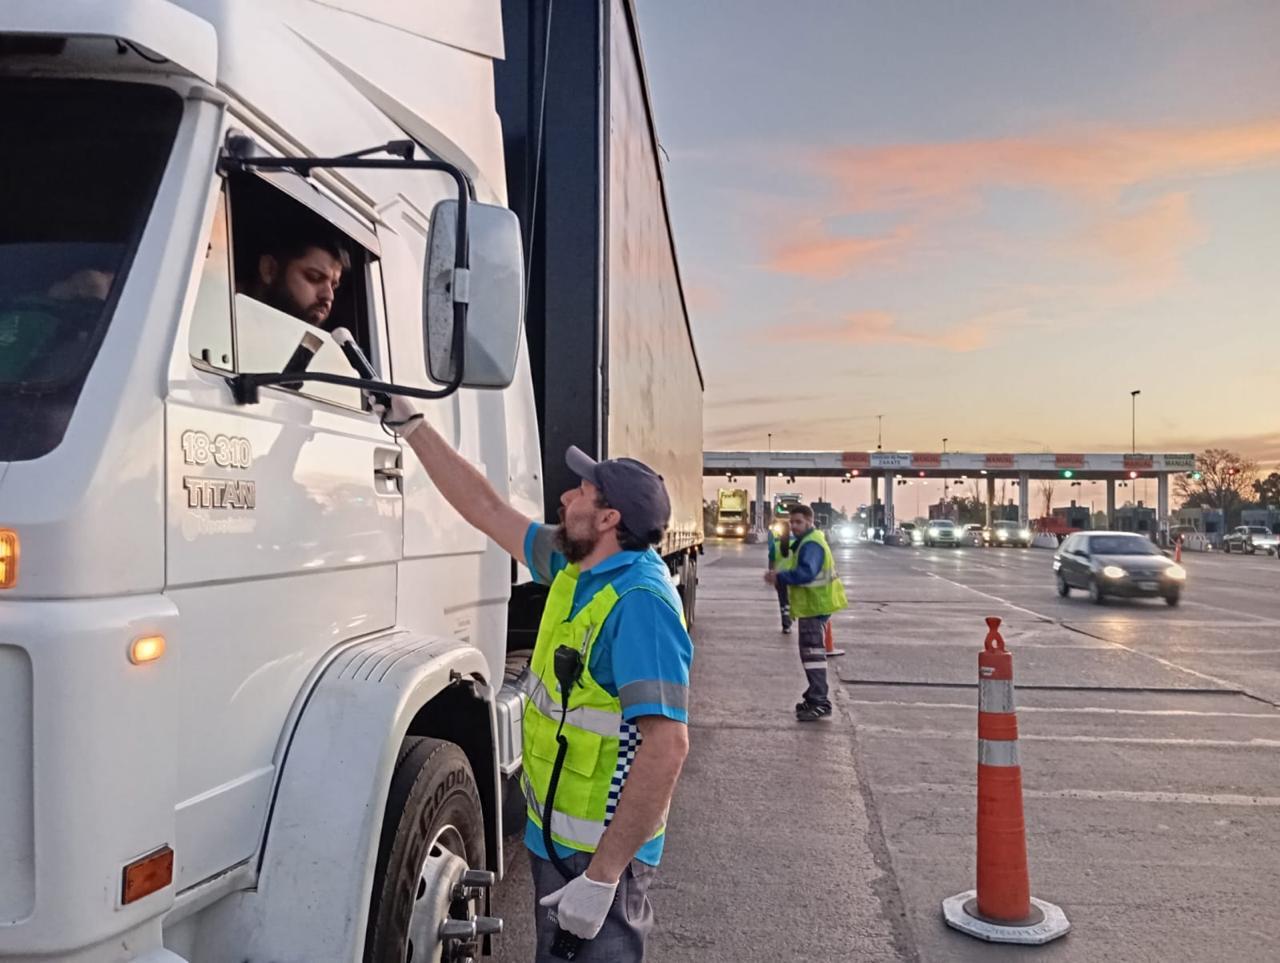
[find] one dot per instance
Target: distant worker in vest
(816, 594)
(610, 671)
(780, 557)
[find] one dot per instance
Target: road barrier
(1044, 540)
(1001, 909)
(1195, 542)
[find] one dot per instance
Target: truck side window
(211, 325)
(277, 279)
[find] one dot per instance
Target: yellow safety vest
(825, 594)
(586, 794)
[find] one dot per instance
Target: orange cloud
(1093, 162)
(815, 253)
(881, 327)
(1148, 243)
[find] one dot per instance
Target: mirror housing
(493, 292)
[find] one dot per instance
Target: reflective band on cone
(1001, 909)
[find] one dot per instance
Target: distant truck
(782, 501)
(733, 508)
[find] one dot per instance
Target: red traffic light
(1133, 474)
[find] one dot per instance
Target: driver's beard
(278, 295)
(573, 549)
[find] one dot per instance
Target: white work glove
(402, 418)
(581, 905)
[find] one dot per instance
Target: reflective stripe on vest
(595, 766)
(825, 594)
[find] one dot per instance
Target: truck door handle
(391, 472)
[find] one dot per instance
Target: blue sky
(987, 221)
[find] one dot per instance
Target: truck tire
(433, 827)
(689, 586)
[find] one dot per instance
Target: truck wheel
(432, 833)
(689, 587)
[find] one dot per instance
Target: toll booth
(1268, 518)
(1072, 517)
(1136, 518)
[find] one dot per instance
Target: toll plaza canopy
(1023, 466)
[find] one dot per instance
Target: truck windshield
(80, 167)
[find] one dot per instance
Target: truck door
(284, 518)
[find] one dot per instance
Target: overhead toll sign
(1001, 460)
(890, 459)
(855, 459)
(1180, 462)
(1139, 462)
(1068, 461)
(922, 459)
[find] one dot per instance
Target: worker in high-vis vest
(816, 593)
(609, 675)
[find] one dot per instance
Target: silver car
(942, 531)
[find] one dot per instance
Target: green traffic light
(1067, 473)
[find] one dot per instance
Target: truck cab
(251, 664)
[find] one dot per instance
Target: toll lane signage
(1001, 460)
(855, 459)
(1068, 461)
(922, 459)
(1180, 462)
(1138, 462)
(890, 459)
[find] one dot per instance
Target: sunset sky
(987, 221)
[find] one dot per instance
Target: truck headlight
(1114, 571)
(719, 529)
(740, 530)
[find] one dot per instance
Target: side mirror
(494, 295)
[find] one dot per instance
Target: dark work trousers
(813, 659)
(621, 939)
(784, 606)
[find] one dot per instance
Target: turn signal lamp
(147, 875)
(8, 558)
(146, 649)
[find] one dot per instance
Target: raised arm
(462, 486)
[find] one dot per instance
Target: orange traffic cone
(829, 640)
(1001, 909)
(1177, 550)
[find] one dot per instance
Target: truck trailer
(251, 664)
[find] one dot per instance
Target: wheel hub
(443, 924)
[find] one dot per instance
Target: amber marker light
(146, 649)
(8, 558)
(147, 875)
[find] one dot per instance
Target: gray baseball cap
(630, 486)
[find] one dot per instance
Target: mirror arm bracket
(244, 387)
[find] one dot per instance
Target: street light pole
(879, 433)
(1133, 417)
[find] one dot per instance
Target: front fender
(317, 864)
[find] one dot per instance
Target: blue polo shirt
(642, 653)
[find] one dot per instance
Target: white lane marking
(1223, 683)
(967, 735)
(1096, 795)
(994, 598)
(1073, 710)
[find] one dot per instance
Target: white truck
(251, 664)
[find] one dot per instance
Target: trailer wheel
(432, 834)
(689, 587)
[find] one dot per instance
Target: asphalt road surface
(1150, 744)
